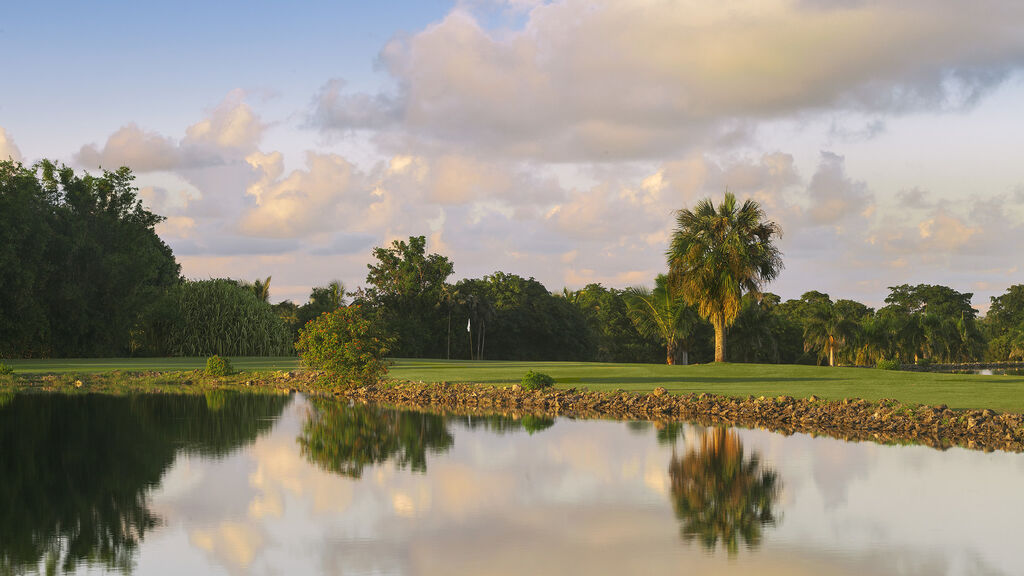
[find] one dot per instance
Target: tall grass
(215, 317)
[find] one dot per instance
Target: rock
(813, 398)
(659, 391)
(78, 383)
(517, 388)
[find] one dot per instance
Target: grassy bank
(1002, 393)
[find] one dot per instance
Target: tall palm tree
(717, 255)
(826, 329)
(657, 314)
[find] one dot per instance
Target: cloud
(608, 80)
(334, 109)
(227, 134)
(8, 149)
(834, 196)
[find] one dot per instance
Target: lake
(252, 484)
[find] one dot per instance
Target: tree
(659, 314)
(518, 319)
(827, 328)
(322, 299)
(1004, 325)
(615, 338)
(81, 261)
(261, 288)
(406, 287)
(717, 255)
(757, 331)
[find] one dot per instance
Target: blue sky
(548, 139)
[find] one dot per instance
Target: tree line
(85, 274)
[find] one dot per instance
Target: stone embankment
(886, 421)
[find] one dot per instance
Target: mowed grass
(1003, 393)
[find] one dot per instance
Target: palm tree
(657, 314)
(262, 289)
(826, 329)
(717, 255)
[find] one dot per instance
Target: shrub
(884, 364)
(536, 380)
(217, 366)
(5, 369)
(346, 344)
(924, 362)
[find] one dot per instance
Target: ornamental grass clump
(347, 345)
(536, 381)
(884, 364)
(5, 369)
(217, 366)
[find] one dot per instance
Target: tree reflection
(719, 494)
(75, 471)
(501, 424)
(345, 439)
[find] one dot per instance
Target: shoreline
(885, 422)
(851, 419)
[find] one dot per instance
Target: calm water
(243, 484)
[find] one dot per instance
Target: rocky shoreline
(886, 421)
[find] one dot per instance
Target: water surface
(248, 484)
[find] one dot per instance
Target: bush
(884, 364)
(536, 381)
(346, 344)
(217, 366)
(924, 362)
(5, 369)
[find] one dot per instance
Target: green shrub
(5, 369)
(924, 362)
(536, 381)
(884, 364)
(346, 344)
(217, 366)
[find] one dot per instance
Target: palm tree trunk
(684, 357)
(831, 351)
(670, 357)
(719, 325)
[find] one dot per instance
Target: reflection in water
(720, 495)
(75, 471)
(344, 438)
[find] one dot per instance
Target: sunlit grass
(1004, 393)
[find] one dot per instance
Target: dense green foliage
(536, 381)
(406, 289)
(81, 262)
(718, 255)
(660, 314)
(81, 468)
(346, 343)
(218, 366)
(206, 317)
(5, 369)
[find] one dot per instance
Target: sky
(547, 139)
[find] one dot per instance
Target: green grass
(1003, 393)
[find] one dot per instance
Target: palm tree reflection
(721, 495)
